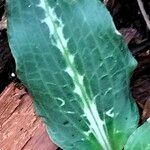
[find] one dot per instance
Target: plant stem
(145, 16)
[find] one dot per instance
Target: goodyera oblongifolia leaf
(75, 64)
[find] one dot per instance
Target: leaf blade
(139, 140)
(73, 69)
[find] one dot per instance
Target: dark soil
(7, 63)
(130, 22)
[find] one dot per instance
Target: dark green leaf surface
(77, 67)
(140, 139)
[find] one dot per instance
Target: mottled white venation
(96, 124)
(107, 91)
(61, 100)
(110, 113)
(87, 133)
(69, 71)
(69, 112)
(50, 18)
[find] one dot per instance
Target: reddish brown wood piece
(20, 128)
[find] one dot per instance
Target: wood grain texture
(20, 128)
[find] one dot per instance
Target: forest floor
(16, 102)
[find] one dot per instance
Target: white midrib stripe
(90, 110)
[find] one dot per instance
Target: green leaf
(140, 139)
(77, 67)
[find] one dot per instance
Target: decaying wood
(20, 128)
(146, 110)
(3, 22)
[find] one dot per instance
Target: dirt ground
(129, 21)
